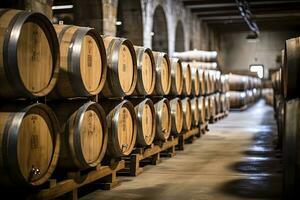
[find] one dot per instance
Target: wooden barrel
(197, 55)
(237, 82)
(187, 79)
(145, 71)
(202, 81)
(212, 81)
(163, 118)
(146, 123)
(212, 106)
(122, 67)
(195, 111)
(201, 108)
(29, 54)
(176, 116)
(163, 73)
(176, 77)
(207, 81)
(291, 69)
(29, 146)
(84, 134)
(224, 83)
(218, 103)
(223, 102)
(206, 108)
(187, 113)
(122, 127)
(195, 82)
(237, 99)
(217, 81)
(82, 62)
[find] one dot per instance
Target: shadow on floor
(261, 165)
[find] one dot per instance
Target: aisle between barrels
(235, 160)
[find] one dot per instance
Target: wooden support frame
(103, 176)
(148, 155)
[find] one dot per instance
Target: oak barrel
(29, 54)
(202, 81)
(195, 111)
(237, 82)
(82, 62)
(187, 113)
(201, 107)
(121, 67)
(176, 115)
(237, 99)
(145, 71)
(206, 108)
(163, 73)
(195, 82)
(29, 144)
(176, 76)
(83, 133)
(122, 127)
(187, 79)
(212, 106)
(163, 118)
(146, 123)
(291, 69)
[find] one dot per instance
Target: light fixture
(118, 23)
(62, 7)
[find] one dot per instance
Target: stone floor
(235, 160)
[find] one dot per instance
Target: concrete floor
(235, 160)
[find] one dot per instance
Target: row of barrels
(197, 56)
(244, 90)
(38, 139)
(238, 99)
(286, 82)
(242, 82)
(64, 61)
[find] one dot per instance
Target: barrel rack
(102, 177)
(218, 117)
(189, 137)
(148, 155)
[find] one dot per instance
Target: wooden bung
(29, 54)
(176, 116)
(122, 67)
(82, 62)
(145, 71)
(83, 133)
(29, 144)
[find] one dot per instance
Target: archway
(160, 31)
(129, 21)
(179, 37)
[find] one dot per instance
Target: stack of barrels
(244, 90)
(286, 81)
(267, 91)
(99, 97)
(213, 84)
